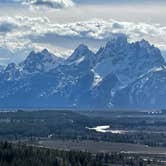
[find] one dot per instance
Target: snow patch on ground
(106, 129)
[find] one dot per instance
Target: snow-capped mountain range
(121, 75)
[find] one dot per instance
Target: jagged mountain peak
(117, 40)
(144, 43)
(114, 47)
(82, 57)
(82, 47)
(45, 51)
(81, 51)
(146, 50)
(39, 56)
(40, 62)
(128, 60)
(118, 45)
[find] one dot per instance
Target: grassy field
(107, 147)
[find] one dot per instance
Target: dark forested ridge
(21, 155)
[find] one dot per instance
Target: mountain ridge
(121, 75)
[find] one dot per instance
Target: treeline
(71, 125)
(22, 155)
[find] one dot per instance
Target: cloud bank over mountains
(24, 28)
(20, 34)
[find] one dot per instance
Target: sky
(61, 25)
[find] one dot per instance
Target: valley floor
(100, 146)
(130, 137)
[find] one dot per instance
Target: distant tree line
(71, 125)
(22, 155)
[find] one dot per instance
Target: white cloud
(48, 3)
(21, 34)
